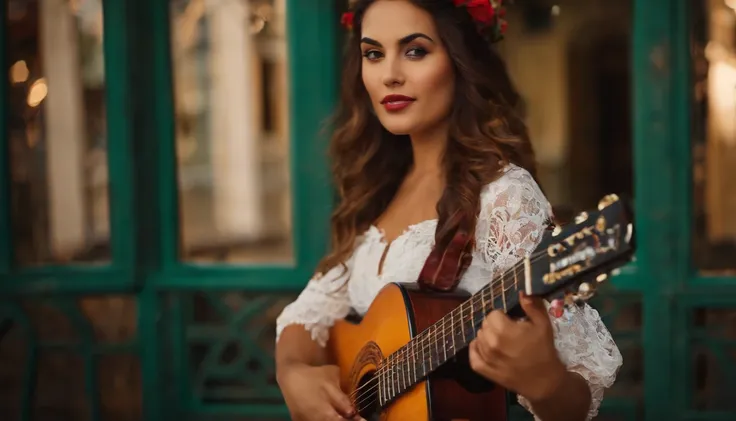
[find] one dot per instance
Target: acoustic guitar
(407, 359)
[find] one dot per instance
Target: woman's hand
(519, 355)
(314, 394)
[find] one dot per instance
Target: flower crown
(488, 16)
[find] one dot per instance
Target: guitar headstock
(572, 260)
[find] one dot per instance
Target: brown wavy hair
(486, 133)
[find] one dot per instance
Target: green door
(137, 133)
(165, 193)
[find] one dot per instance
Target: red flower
(347, 20)
(481, 10)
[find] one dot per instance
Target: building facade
(165, 192)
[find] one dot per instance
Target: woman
(426, 128)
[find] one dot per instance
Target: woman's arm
(510, 227)
(569, 401)
(590, 355)
(302, 328)
(310, 386)
(296, 347)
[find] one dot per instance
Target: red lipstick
(396, 102)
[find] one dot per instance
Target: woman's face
(406, 70)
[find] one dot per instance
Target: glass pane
(578, 109)
(232, 130)
(714, 134)
(56, 129)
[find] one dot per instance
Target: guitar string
(365, 396)
(497, 286)
(400, 357)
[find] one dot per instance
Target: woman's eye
(416, 52)
(372, 55)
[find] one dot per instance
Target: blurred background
(164, 193)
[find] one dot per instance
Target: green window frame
(143, 198)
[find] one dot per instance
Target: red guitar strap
(445, 265)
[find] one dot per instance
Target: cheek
(438, 83)
(369, 81)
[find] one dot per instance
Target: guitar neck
(570, 260)
(444, 339)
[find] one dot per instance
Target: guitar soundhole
(366, 398)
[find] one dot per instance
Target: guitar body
(407, 359)
(398, 313)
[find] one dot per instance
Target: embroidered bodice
(512, 218)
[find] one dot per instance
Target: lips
(396, 102)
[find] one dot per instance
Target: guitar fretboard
(444, 339)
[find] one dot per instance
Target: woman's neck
(428, 149)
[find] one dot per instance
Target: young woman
(426, 128)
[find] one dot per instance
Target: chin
(397, 127)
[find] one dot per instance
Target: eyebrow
(403, 41)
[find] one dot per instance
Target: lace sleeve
(585, 345)
(323, 301)
(513, 216)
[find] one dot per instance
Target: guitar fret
(397, 373)
(424, 356)
(436, 343)
(462, 323)
(413, 359)
(472, 318)
(391, 375)
(382, 380)
(444, 338)
(380, 389)
(397, 366)
(429, 347)
(503, 295)
(404, 367)
(452, 324)
(516, 279)
(483, 301)
(394, 375)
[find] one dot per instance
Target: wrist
(552, 384)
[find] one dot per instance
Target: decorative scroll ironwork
(69, 357)
(713, 348)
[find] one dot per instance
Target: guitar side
(398, 313)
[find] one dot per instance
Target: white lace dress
(510, 223)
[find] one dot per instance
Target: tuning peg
(582, 216)
(600, 224)
(615, 272)
(585, 291)
(602, 277)
(607, 200)
(556, 231)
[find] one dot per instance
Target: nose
(393, 72)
